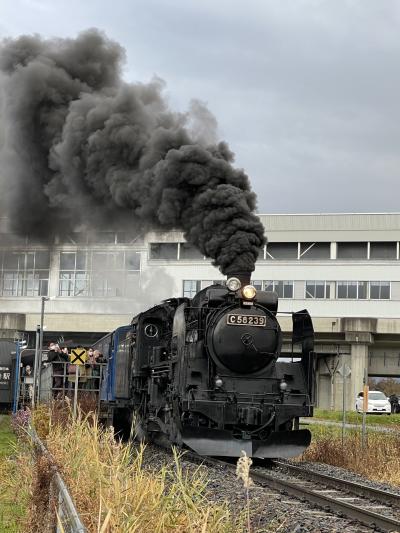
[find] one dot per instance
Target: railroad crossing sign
(78, 356)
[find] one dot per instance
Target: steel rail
(366, 517)
(316, 496)
(352, 487)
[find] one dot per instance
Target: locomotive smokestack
(85, 147)
(244, 277)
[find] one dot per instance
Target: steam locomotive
(204, 372)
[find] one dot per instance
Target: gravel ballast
(270, 510)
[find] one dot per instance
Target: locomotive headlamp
(283, 385)
(249, 292)
(218, 382)
(233, 284)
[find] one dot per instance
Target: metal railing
(58, 380)
(63, 514)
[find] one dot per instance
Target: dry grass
(379, 460)
(243, 472)
(111, 489)
(13, 496)
(26, 477)
(15, 491)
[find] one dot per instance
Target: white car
(377, 403)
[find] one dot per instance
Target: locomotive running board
(218, 442)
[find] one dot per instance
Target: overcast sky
(306, 92)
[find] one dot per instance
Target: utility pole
(17, 375)
(35, 367)
(365, 409)
(44, 300)
(345, 372)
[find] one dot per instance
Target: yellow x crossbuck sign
(78, 356)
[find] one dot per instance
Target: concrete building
(344, 268)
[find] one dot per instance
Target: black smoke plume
(81, 146)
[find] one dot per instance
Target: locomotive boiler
(206, 373)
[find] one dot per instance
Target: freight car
(204, 372)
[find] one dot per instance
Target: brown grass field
(114, 492)
(379, 460)
(111, 489)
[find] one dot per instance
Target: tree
(387, 385)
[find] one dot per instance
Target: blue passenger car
(114, 390)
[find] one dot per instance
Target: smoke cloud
(81, 146)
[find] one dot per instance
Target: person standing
(96, 369)
(27, 378)
(87, 370)
(394, 403)
(58, 359)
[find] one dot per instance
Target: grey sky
(305, 91)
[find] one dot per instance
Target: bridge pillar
(10, 324)
(359, 333)
(359, 362)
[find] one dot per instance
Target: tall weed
(378, 460)
(113, 492)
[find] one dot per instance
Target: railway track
(372, 493)
(374, 508)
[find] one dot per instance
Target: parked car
(377, 403)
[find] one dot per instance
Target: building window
(129, 237)
(102, 237)
(25, 273)
(356, 290)
(191, 287)
(74, 274)
(379, 290)
(317, 289)
(351, 250)
(282, 250)
(114, 274)
(315, 250)
(284, 289)
(189, 252)
(131, 261)
(383, 250)
(77, 238)
(99, 274)
(164, 250)
(7, 239)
